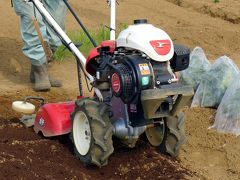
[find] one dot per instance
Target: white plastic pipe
(113, 20)
(67, 40)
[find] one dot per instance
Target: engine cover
(129, 76)
(148, 39)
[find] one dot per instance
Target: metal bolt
(87, 133)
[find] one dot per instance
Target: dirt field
(206, 155)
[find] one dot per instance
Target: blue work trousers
(32, 45)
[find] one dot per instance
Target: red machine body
(53, 119)
(94, 53)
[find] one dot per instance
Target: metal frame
(113, 19)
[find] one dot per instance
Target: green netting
(198, 65)
(214, 83)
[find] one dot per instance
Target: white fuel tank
(152, 41)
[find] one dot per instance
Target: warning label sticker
(144, 69)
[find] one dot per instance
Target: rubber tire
(101, 145)
(174, 136)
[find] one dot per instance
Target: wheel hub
(81, 133)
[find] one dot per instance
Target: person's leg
(34, 51)
(58, 10)
(32, 46)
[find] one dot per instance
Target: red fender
(53, 119)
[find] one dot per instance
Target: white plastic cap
(23, 107)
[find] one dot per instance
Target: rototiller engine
(136, 91)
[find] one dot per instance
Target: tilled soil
(27, 155)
